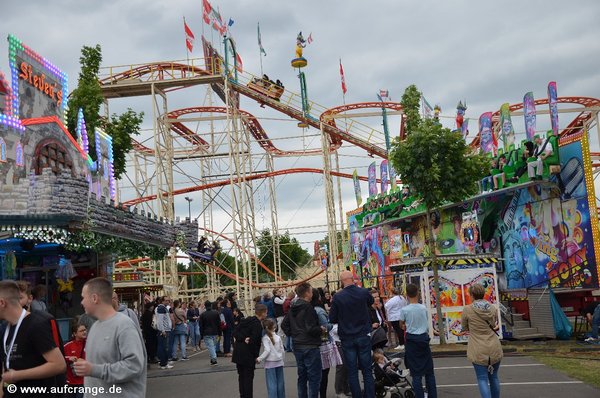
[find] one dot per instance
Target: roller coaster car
(266, 88)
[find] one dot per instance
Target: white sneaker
(170, 363)
(169, 366)
(591, 340)
(400, 347)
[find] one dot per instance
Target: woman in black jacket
(227, 332)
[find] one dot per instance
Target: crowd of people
(345, 331)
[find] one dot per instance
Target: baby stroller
(392, 381)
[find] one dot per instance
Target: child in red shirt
(74, 350)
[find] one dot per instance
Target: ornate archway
(51, 153)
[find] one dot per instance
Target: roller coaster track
(138, 80)
(249, 121)
(573, 128)
(251, 177)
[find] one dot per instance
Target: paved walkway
(519, 376)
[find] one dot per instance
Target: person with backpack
(162, 323)
(302, 323)
(247, 342)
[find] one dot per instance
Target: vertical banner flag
(508, 132)
(384, 176)
(552, 100)
(262, 50)
(309, 40)
(206, 10)
(239, 64)
(344, 89)
(372, 180)
(464, 129)
(427, 108)
(189, 36)
(357, 193)
(529, 110)
(392, 173)
(486, 135)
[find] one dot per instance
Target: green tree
(88, 97)
(440, 167)
(292, 255)
(411, 101)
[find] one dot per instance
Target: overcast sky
(484, 52)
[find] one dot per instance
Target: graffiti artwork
(549, 240)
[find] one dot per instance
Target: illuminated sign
(39, 81)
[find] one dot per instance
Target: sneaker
(170, 362)
(168, 366)
(185, 359)
(400, 347)
(213, 362)
(591, 340)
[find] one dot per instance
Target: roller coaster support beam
(274, 220)
(330, 204)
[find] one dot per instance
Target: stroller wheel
(409, 394)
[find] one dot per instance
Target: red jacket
(286, 305)
(74, 348)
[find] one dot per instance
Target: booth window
(19, 155)
(2, 150)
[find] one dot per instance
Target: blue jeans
(357, 355)
(596, 322)
(288, 343)
(309, 365)
(275, 382)
(429, 382)
(163, 348)
(179, 340)
(194, 333)
(211, 342)
(489, 383)
(171, 345)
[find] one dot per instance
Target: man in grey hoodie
(115, 354)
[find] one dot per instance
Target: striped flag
(189, 36)
(213, 18)
(206, 11)
(310, 39)
(344, 89)
(427, 108)
(262, 50)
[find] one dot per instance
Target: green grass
(575, 365)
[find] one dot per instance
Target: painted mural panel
(549, 240)
(454, 295)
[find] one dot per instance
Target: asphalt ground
(520, 376)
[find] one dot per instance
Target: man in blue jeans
(163, 330)
(350, 310)
(302, 323)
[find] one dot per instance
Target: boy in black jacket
(302, 323)
(247, 338)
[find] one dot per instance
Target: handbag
(223, 324)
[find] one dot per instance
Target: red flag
(206, 10)
(189, 37)
(239, 65)
(310, 39)
(344, 89)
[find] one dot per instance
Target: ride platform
(299, 62)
